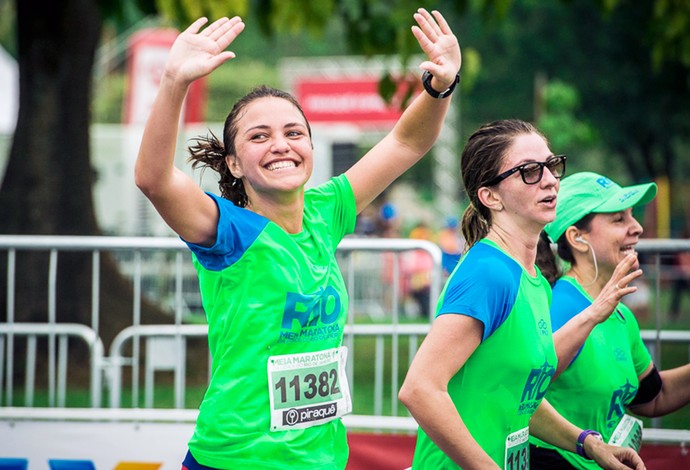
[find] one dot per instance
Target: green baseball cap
(586, 192)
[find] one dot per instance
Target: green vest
(503, 382)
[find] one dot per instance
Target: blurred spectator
(367, 222)
(418, 266)
(389, 222)
(452, 244)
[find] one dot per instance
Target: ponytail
(546, 260)
(209, 152)
(474, 226)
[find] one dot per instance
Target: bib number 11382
(308, 389)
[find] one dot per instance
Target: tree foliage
(629, 61)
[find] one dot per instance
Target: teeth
(280, 165)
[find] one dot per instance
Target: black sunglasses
(532, 172)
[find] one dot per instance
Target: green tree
(629, 65)
(633, 82)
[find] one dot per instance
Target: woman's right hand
(196, 52)
(615, 289)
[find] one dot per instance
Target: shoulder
(566, 301)
(483, 262)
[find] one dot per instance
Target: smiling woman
(265, 248)
(603, 355)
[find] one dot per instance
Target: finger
(230, 35)
(223, 29)
(427, 24)
(442, 23)
(216, 28)
(194, 27)
(221, 58)
(626, 263)
(422, 39)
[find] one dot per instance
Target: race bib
(517, 450)
(308, 389)
(628, 433)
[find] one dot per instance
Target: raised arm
(179, 200)
(451, 341)
(420, 124)
(570, 337)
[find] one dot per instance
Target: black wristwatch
(580, 444)
(426, 81)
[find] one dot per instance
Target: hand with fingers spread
(615, 289)
(440, 45)
(197, 52)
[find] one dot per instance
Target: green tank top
(503, 382)
(276, 305)
(595, 389)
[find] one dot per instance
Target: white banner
(109, 445)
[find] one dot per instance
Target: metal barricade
(389, 330)
(57, 363)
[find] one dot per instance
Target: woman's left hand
(613, 457)
(441, 46)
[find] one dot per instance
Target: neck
(589, 278)
(288, 214)
(521, 247)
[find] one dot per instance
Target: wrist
(428, 78)
(583, 441)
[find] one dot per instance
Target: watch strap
(580, 444)
(426, 81)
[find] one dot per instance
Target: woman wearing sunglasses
(596, 233)
(477, 383)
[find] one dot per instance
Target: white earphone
(579, 239)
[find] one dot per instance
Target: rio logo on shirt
(619, 400)
(316, 315)
(535, 388)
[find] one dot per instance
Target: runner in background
(606, 361)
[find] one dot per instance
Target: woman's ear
(234, 166)
(490, 198)
(575, 240)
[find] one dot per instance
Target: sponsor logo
(294, 416)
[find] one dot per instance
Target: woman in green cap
(606, 362)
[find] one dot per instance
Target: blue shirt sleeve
(237, 230)
(566, 302)
(484, 286)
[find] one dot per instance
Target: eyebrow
(532, 160)
(289, 125)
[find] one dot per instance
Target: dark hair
(481, 159)
(546, 258)
(209, 152)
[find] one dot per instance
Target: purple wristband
(580, 445)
